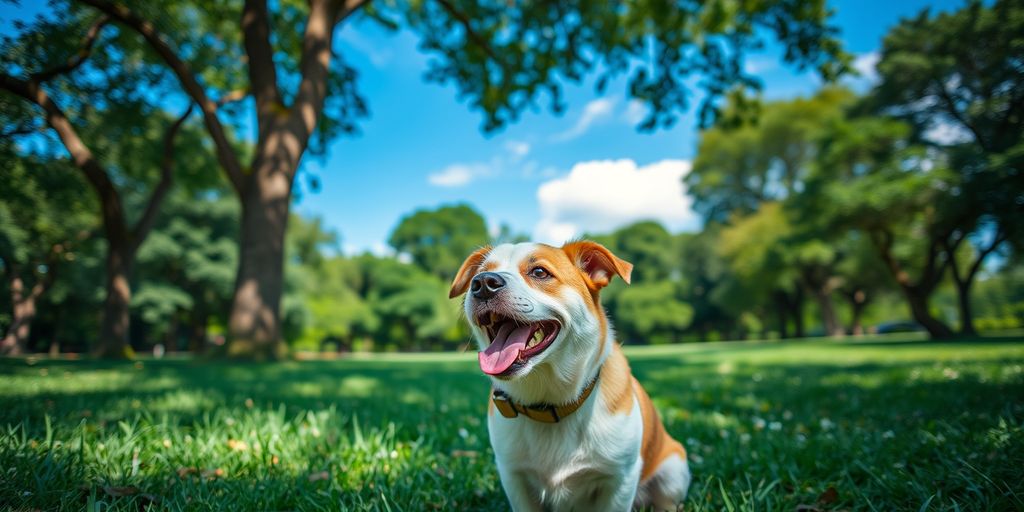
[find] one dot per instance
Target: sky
(549, 177)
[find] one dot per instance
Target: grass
(873, 425)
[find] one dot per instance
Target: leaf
(118, 491)
(316, 477)
(828, 497)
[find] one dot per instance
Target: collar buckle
(504, 405)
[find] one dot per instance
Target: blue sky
(548, 176)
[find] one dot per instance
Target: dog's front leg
(621, 493)
(521, 494)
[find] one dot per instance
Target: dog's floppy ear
(597, 263)
(467, 271)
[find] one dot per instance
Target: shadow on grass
(410, 435)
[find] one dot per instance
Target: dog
(570, 426)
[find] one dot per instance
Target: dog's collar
(544, 413)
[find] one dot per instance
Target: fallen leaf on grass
(237, 445)
(183, 471)
(118, 491)
(316, 477)
(830, 496)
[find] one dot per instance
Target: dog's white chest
(569, 464)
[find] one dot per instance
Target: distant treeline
(835, 214)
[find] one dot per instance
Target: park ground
(874, 424)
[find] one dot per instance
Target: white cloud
(760, 64)
(599, 196)
(457, 175)
(517, 148)
(866, 64)
(378, 57)
(635, 112)
(593, 112)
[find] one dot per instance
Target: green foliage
(504, 57)
(439, 240)
(766, 158)
(648, 246)
(186, 267)
(967, 100)
(647, 313)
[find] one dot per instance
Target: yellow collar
(544, 413)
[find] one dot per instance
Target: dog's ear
(597, 263)
(467, 271)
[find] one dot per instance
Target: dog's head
(530, 305)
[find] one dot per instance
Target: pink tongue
(505, 348)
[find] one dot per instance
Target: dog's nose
(486, 285)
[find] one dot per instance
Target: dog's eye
(539, 273)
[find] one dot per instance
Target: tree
(704, 273)
(43, 220)
(119, 100)
(651, 312)
(765, 265)
(187, 266)
(649, 247)
(972, 94)
(501, 57)
(743, 163)
(872, 179)
(438, 240)
(861, 276)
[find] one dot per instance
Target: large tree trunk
(255, 323)
(23, 305)
(918, 303)
(113, 341)
(796, 310)
(780, 314)
(23, 311)
(828, 312)
(858, 302)
(963, 295)
(964, 281)
(820, 285)
(917, 293)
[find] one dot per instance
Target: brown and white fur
(613, 452)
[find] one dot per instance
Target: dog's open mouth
(512, 343)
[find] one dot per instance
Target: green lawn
(769, 426)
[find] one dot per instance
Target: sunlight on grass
(768, 426)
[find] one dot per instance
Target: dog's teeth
(538, 336)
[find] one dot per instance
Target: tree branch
(262, 73)
(110, 200)
(316, 59)
(225, 153)
(470, 33)
(41, 285)
(955, 112)
(998, 240)
(145, 223)
(78, 58)
(233, 96)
